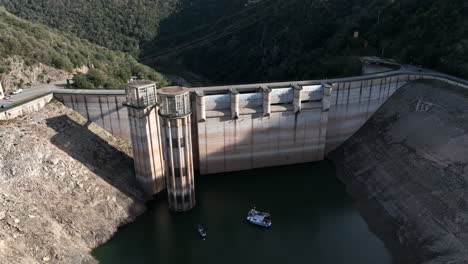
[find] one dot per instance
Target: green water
(314, 221)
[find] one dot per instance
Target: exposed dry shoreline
(66, 186)
(407, 169)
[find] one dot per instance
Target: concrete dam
(176, 130)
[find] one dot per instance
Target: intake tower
(175, 111)
(145, 134)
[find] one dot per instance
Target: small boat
(201, 231)
(259, 218)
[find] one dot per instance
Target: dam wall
(279, 124)
(354, 102)
(257, 129)
(105, 108)
(242, 127)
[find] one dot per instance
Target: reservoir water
(314, 221)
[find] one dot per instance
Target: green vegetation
(304, 39)
(115, 24)
(232, 41)
(40, 44)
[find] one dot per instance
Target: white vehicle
(18, 91)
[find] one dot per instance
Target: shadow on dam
(109, 163)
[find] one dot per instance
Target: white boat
(259, 218)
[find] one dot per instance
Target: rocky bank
(407, 168)
(66, 186)
(20, 74)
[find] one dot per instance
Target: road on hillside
(34, 91)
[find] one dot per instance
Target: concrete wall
(352, 103)
(106, 110)
(259, 125)
(257, 137)
(302, 126)
(26, 108)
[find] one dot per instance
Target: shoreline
(70, 198)
(407, 169)
(377, 218)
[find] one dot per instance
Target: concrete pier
(146, 136)
(175, 112)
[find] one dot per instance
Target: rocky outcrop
(407, 168)
(18, 74)
(66, 186)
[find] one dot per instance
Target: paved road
(35, 91)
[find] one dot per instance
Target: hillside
(115, 24)
(61, 176)
(32, 53)
(232, 41)
(303, 39)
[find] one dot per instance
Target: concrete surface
(26, 108)
(297, 130)
(105, 108)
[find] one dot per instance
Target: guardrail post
(201, 106)
(297, 97)
(234, 103)
(327, 92)
(266, 101)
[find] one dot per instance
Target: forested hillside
(36, 43)
(303, 39)
(115, 24)
(233, 41)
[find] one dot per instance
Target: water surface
(314, 221)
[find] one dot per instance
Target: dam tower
(145, 134)
(175, 112)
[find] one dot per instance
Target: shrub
(61, 62)
(80, 81)
(97, 77)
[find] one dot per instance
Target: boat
(201, 231)
(259, 218)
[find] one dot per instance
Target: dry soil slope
(408, 170)
(66, 186)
